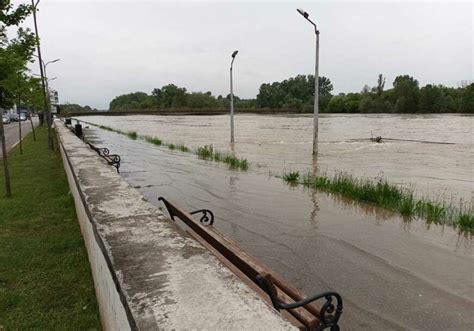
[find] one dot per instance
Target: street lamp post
(46, 81)
(232, 100)
(316, 83)
(50, 119)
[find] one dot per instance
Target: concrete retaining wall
(148, 273)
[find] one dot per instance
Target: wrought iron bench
(302, 311)
(112, 159)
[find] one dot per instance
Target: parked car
(5, 119)
(23, 117)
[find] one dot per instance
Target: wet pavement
(392, 273)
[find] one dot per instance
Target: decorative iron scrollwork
(205, 219)
(329, 313)
(103, 151)
(112, 159)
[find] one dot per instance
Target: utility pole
(47, 109)
(232, 140)
(316, 84)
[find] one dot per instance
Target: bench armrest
(329, 313)
(205, 219)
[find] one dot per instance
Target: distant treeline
(75, 108)
(297, 93)
(172, 96)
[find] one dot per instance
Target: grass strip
(381, 193)
(206, 152)
(153, 140)
(45, 277)
(132, 135)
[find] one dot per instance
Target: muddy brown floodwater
(281, 143)
(392, 273)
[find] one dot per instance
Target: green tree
(337, 104)
(434, 99)
(380, 85)
(131, 101)
(14, 55)
(201, 100)
(405, 94)
(75, 108)
(173, 96)
(467, 100)
(295, 93)
(156, 94)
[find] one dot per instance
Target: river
(393, 273)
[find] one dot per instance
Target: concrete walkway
(148, 273)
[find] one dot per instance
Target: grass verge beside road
(45, 276)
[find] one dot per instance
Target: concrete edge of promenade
(148, 273)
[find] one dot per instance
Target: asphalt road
(11, 132)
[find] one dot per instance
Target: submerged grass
(208, 152)
(183, 148)
(132, 135)
(381, 193)
(465, 222)
(153, 140)
(291, 177)
(235, 163)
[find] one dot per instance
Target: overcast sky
(108, 48)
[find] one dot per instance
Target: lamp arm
(314, 24)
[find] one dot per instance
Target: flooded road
(278, 143)
(393, 274)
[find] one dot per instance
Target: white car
(5, 119)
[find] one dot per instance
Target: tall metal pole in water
(232, 99)
(316, 83)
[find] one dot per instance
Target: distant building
(54, 101)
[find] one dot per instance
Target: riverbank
(45, 277)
